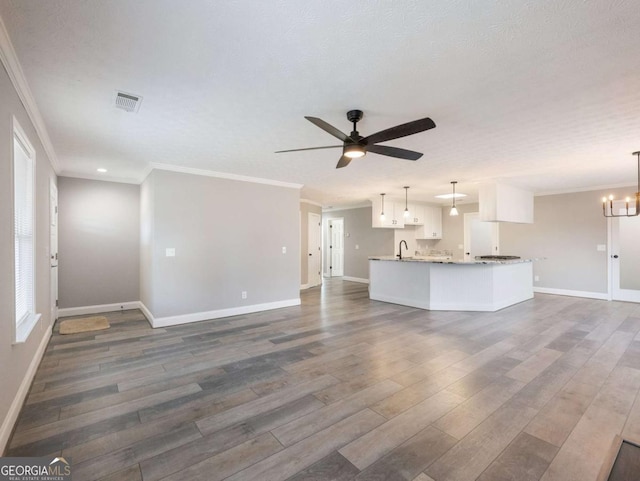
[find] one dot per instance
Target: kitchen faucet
(400, 248)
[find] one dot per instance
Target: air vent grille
(128, 102)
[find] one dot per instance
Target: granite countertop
(452, 261)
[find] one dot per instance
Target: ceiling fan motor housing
(354, 115)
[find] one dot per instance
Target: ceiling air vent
(128, 102)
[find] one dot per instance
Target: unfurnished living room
(309, 240)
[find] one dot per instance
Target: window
(23, 232)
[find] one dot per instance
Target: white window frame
(24, 327)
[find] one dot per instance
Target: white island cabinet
(450, 285)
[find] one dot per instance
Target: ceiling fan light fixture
(354, 151)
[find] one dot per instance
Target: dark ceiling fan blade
(403, 130)
(310, 148)
(328, 128)
(343, 162)
(394, 152)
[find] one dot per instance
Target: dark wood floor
(343, 388)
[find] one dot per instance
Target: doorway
(625, 259)
(314, 260)
(53, 248)
(480, 238)
(333, 240)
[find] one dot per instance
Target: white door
(625, 258)
(314, 274)
(337, 247)
(480, 238)
(333, 248)
(53, 248)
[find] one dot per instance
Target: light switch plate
(601, 247)
(284, 250)
(170, 252)
(357, 247)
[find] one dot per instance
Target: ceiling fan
(354, 145)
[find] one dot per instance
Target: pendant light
(453, 210)
(607, 210)
(382, 212)
(406, 202)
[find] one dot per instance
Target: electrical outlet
(284, 250)
(244, 294)
(536, 278)
(357, 247)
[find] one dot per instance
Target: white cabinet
(416, 215)
(393, 211)
(432, 228)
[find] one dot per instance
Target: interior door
(314, 274)
(625, 258)
(337, 247)
(53, 248)
(480, 238)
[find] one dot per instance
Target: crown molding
(223, 175)
(14, 70)
(360, 205)
(585, 189)
(100, 177)
(307, 201)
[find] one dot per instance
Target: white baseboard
(14, 410)
(355, 279)
(147, 313)
(217, 314)
(568, 292)
(80, 311)
(304, 286)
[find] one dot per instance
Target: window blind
(23, 232)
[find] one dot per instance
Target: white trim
(223, 175)
(568, 292)
(18, 400)
(10, 61)
(307, 201)
(583, 189)
(79, 311)
(304, 286)
(219, 313)
(328, 210)
(101, 177)
(146, 312)
(355, 279)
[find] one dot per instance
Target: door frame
(613, 271)
(316, 280)
(53, 250)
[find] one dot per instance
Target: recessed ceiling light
(101, 170)
(450, 196)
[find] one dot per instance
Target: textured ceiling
(541, 94)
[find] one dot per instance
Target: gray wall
(358, 230)
(305, 208)
(453, 229)
(565, 231)
(15, 359)
(228, 236)
(99, 242)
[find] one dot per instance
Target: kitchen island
(450, 285)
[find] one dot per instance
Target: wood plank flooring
(343, 388)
